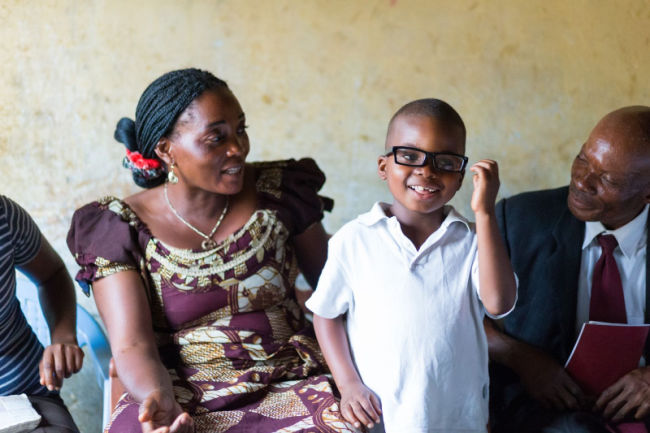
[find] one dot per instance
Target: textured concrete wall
(318, 78)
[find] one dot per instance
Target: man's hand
(60, 360)
(547, 382)
(630, 395)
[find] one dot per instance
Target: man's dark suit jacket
(544, 241)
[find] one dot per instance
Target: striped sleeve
(20, 350)
(24, 234)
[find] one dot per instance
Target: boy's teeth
(421, 188)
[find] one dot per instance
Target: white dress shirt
(414, 320)
(630, 256)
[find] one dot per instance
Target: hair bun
(125, 133)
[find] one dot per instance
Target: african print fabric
(241, 355)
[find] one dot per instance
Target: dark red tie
(608, 305)
(607, 301)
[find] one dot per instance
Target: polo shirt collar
(378, 213)
(630, 237)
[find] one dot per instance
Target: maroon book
(604, 353)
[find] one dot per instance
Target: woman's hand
(160, 413)
(60, 360)
(359, 405)
(486, 186)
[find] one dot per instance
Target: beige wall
(318, 78)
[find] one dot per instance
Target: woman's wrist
(145, 377)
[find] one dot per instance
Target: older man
(581, 254)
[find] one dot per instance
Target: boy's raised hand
(360, 406)
(486, 185)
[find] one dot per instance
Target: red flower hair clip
(141, 162)
(147, 167)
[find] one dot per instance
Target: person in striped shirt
(25, 366)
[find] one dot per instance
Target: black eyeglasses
(414, 157)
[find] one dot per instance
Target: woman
(195, 276)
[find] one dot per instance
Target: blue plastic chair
(89, 334)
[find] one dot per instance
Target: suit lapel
(564, 266)
(647, 271)
(647, 288)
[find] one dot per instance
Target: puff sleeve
(291, 188)
(103, 241)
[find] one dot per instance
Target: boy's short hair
(434, 108)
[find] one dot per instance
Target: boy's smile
(421, 191)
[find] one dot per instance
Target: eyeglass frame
(428, 158)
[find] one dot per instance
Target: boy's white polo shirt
(414, 320)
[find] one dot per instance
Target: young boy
(407, 279)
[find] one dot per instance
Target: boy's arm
(498, 288)
(358, 403)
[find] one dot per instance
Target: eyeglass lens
(441, 161)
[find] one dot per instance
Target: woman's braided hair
(155, 116)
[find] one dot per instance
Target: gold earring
(171, 176)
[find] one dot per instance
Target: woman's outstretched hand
(160, 413)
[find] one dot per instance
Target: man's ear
(381, 167)
(163, 150)
(460, 179)
(646, 188)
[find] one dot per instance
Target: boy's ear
(460, 180)
(163, 150)
(381, 167)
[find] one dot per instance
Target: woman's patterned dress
(240, 353)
